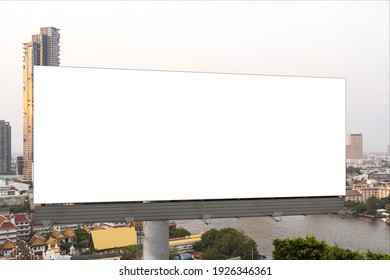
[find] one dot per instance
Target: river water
(351, 233)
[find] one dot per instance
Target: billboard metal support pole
(156, 240)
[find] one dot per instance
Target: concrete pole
(156, 240)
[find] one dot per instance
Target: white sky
(320, 38)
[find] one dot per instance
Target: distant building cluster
(17, 241)
(362, 192)
(10, 188)
(22, 238)
(369, 175)
(373, 180)
(15, 227)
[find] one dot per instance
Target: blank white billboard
(109, 135)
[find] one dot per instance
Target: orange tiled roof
(97, 228)
(7, 245)
(86, 229)
(52, 242)
(21, 218)
(69, 233)
(37, 240)
(56, 234)
(7, 225)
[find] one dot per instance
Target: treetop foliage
(226, 243)
(310, 248)
(179, 232)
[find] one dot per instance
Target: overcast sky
(308, 38)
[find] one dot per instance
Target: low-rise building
(377, 191)
(69, 236)
(380, 176)
(22, 251)
(37, 243)
(107, 225)
(57, 235)
(52, 242)
(353, 195)
(8, 230)
(23, 223)
(184, 244)
(6, 248)
(11, 188)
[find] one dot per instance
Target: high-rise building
(5, 147)
(43, 49)
(19, 165)
(354, 148)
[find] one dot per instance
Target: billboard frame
(186, 210)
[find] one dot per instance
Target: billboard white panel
(107, 135)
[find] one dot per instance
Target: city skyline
(329, 39)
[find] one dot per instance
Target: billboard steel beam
(183, 210)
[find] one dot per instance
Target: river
(349, 232)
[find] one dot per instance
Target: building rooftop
(7, 245)
(52, 242)
(37, 240)
(353, 193)
(69, 233)
(7, 225)
(113, 238)
(20, 218)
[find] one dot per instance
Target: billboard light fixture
(277, 216)
(207, 218)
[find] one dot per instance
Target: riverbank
(348, 232)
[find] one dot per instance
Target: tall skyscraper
(19, 166)
(354, 148)
(5, 147)
(43, 49)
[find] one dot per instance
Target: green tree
(179, 232)
(131, 252)
(353, 170)
(82, 238)
(372, 205)
(88, 252)
(21, 208)
(213, 253)
(197, 246)
(310, 248)
(48, 235)
(376, 256)
(65, 247)
(337, 253)
(227, 243)
(360, 208)
(387, 207)
(173, 252)
(356, 206)
(209, 237)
